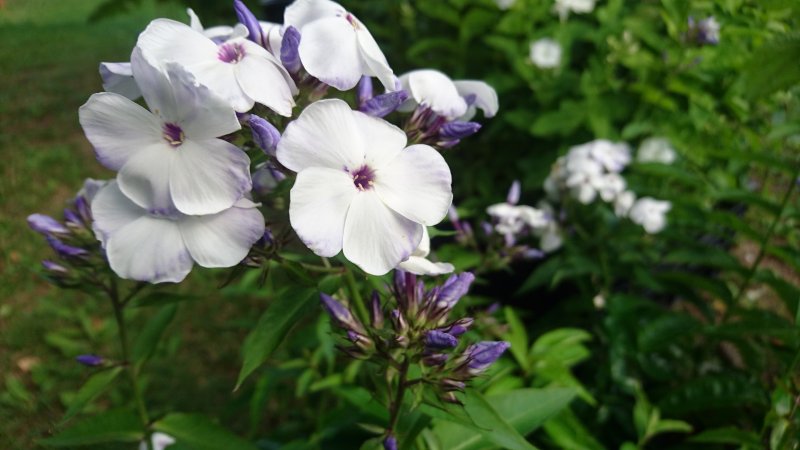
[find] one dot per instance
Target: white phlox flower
(156, 243)
(623, 203)
(419, 264)
(273, 36)
(515, 219)
(564, 7)
(582, 177)
(335, 47)
(172, 155)
(609, 186)
(650, 214)
(505, 4)
(656, 150)
(359, 188)
(159, 440)
(589, 170)
(448, 98)
(614, 156)
(238, 70)
(545, 53)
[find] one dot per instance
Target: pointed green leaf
(93, 387)
(111, 426)
(201, 433)
(148, 339)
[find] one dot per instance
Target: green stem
(397, 403)
(357, 300)
(119, 306)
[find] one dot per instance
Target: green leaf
(160, 299)
(517, 337)
(111, 426)
(93, 387)
(201, 433)
(562, 122)
(284, 311)
(773, 67)
(521, 411)
(728, 435)
(670, 426)
(147, 341)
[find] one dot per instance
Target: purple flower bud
(364, 90)
(438, 340)
(71, 218)
(390, 443)
(483, 354)
(513, 193)
(493, 308)
(487, 228)
(384, 104)
(89, 360)
(458, 129)
(84, 209)
(434, 359)
(265, 135)
(398, 322)
(458, 327)
(533, 254)
(453, 385)
(450, 397)
(339, 313)
(263, 180)
(46, 225)
(54, 267)
(361, 341)
(375, 310)
(453, 289)
(249, 20)
(64, 250)
(290, 56)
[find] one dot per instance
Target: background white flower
(172, 155)
(564, 7)
(240, 71)
(335, 46)
(504, 4)
(159, 440)
(161, 245)
(650, 214)
(359, 188)
(656, 150)
(546, 53)
(419, 264)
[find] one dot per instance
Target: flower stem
(397, 403)
(119, 306)
(357, 300)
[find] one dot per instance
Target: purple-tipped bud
(72, 218)
(493, 308)
(364, 90)
(249, 20)
(458, 327)
(458, 129)
(54, 267)
(434, 359)
(375, 311)
(290, 56)
(46, 225)
(339, 313)
(438, 340)
(84, 209)
(263, 180)
(361, 341)
(265, 135)
(398, 322)
(513, 193)
(89, 360)
(448, 384)
(487, 228)
(450, 397)
(533, 254)
(64, 250)
(390, 443)
(384, 104)
(483, 354)
(452, 290)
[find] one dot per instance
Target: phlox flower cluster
(201, 124)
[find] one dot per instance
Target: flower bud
(90, 360)
(483, 354)
(449, 384)
(384, 104)
(265, 135)
(451, 292)
(435, 339)
(450, 397)
(364, 90)
(375, 311)
(398, 322)
(340, 314)
(64, 250)
(458, 327)
(458, 129)
(513, 193)
(435, 359)
(46, 225)
(54, 267)
(290, 55)
(390, 443)
(361, 341)
(249, 20)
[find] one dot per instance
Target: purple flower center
(363, 178)
(173, 134)
(231, 53)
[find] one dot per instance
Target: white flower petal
(117, 128)
(319, 201)
(302, 12)
(416, 184)
(421, 266)
(382, 140)
(374, 59)
(376, 238)
(145, 177)
(166, 40)
(436, 90)
(263, 78)
(149, 249)
(111, 210)
(485, 96)
(329, 51)
(154, 85)
(223, 239)
(274, 36)
(118, 78)
(208, 176)
(324, 135)
(221, 79)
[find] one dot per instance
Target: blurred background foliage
(686, 339)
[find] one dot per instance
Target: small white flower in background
(564, 7)
(156, 243)
(550, 235)
(588, 170)
(447, 98)
(171, 156)
(159, 440)
(582, 177)
(238, 70)
(359, 188)
(599, 301)
(419, 264)
(614, 156)
(546, 53)
(623, 203)
(335, 47)
(650, 214)
(656, 150)
(504, 4)
(609, 186)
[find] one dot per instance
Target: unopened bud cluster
(418, 330)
